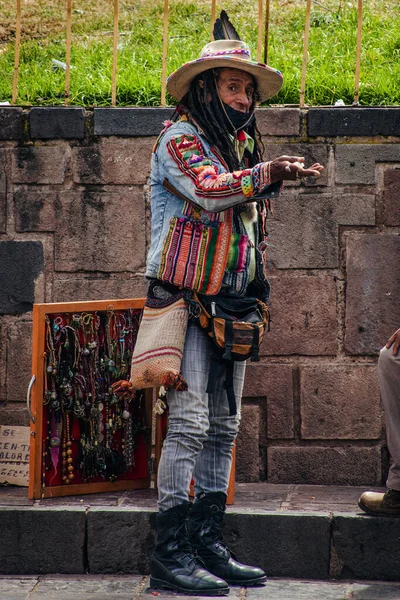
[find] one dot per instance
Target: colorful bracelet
(247, 186)
(265, 175)
(255, 177)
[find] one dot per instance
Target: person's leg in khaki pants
(389, 381)
(376, 503)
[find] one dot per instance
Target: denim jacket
(198, 238)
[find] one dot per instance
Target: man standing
(209, 197)
(388, 504)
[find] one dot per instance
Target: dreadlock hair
(209, 115)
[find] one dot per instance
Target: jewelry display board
(84, 437)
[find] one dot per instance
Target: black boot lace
(184, 550)
(213, 531)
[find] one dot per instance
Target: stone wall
(74, 217)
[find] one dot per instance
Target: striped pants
(200, 431)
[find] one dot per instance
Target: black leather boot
(205, 521)
(174, 565)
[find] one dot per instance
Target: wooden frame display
(84, 438)
(55, 446)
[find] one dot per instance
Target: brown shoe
(379, 504)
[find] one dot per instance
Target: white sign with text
(14, 455)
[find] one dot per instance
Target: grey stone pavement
(277, 499)
(136, 587)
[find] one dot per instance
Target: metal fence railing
(262, 48)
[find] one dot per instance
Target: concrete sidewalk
(129, 587)
(264, 497)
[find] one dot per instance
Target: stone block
(304, 230)
(312, 153)
(300, 548)
(354, 209)
(20, 265)
(19, 360)
(355, 163)
(303, 312)
(70, 290)
(3, 191)
(248, 451)
(101, 231)
(275, 382)
(350, 121)
(87, 587)
(42, 540)
(39, 164)
(278, 121)
(126, 162)
(11, 123)
(367, 548)
(35, 211)
(135, 122)
(120, 540)
(373, 279)
(14, 414)
(287, 545)
(391, 197)
(340, 402)
(345, 465)
(56, 122)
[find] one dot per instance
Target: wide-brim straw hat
(234, 54)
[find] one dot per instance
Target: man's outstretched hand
(394, 341)
(292, 167)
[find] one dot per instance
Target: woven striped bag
(158, 352)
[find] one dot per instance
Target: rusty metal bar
(68, 53)
(164, 56)
(16, 57)
(358, 53)
(266, 31)
(305, 53)
(213, 11)
(115, 56)
(260, 29)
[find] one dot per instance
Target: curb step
(312, 532)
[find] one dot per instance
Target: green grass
(331, 66)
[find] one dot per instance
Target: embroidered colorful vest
(192, 247)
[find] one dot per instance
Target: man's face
(236, 88)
